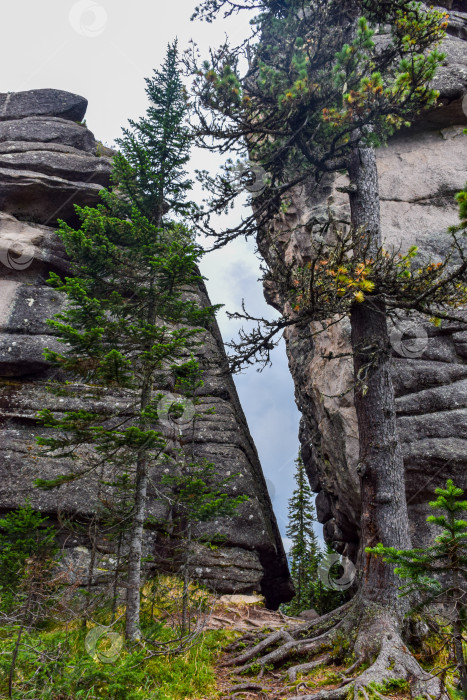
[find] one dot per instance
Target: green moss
(394, 685)
(341, 649)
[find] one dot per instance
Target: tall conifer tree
(306, 556)
(128, 322)
(304, 553)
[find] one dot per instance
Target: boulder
(36, 197)
(44, 103)
(28, 251)
(47, 130)
(241, 600)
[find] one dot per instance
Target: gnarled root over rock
(377, 644)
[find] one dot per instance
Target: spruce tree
(130, 321)
(150, 169)
(306, 556)
(304, 552)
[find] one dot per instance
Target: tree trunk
(459, 652)
(132, 620)
(186, 584)
(384, 515)
(116, 578)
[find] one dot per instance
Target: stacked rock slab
(50, 161)
(419, 173)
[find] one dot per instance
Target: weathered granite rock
(420, 171)
(48, 163)
(47, 130)
(43, 103)
(40, 180)
(70, 165)
(36, 197)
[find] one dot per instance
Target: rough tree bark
(384, 515)
(135, 553)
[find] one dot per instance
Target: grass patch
(84, 660)
(54, 665)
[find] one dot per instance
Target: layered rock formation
(420, 172)
(48, 163)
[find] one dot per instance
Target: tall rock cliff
(419, 173)
(50, 161)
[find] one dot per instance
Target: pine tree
(328, 81)
(129, 322)
(439, 572)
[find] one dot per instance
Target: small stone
(309, 614)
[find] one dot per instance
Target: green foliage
(462, 200)
(132, 321)
(321, 83)
(22, 535)
(197, 493)
(155, 149)
(438, 573)
(341, 649)
(332, 282)
(54, 664)
(305, 554)
(127, 319)
(324, 598)
(317, 78)
(420, 568)
(392, 686)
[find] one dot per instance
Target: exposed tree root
(261, 646)
(293, 647)
(377, 641)
(304, 668)
(296, 637)
(237, 689)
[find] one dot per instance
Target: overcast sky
(103, 50)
